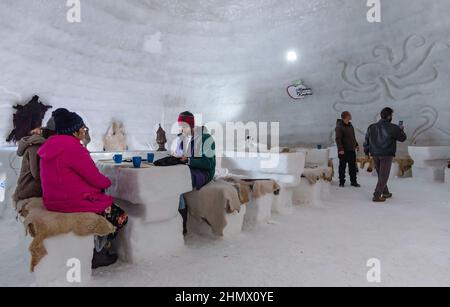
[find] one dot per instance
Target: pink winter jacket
(70, 180)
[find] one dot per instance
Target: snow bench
(286, 170)
(447, 175)
(315, 182)
(430, 162)
(215, 211)
(68, 262)
(62, 244)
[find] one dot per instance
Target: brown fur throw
(404, 165)
(213, 202)
(42, 224)
(363, 160)
(253, 188)
(320, 173)
(330, 165)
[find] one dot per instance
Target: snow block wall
(144, 61)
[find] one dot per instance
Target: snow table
(150, 196)
(10, 165)
(284, 168)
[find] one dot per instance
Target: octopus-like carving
(429, 116)
(397, 79)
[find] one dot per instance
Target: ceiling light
(292, 56)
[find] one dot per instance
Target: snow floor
(328, 245)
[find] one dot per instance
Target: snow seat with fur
(258, 194)
(316, 178)
(216, 210)
(58, 239)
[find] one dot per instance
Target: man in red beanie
(196, 147)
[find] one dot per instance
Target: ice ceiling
(144, 61)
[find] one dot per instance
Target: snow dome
(144, 61)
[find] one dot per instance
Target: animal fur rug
(42, 224)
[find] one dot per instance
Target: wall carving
(395, 78)
(388, 76)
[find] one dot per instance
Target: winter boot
(356, 185)
(103, 258)
(387, 195)
(184, 215)
(378, 199)
(342, 184)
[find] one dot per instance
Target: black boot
(184, 215)
(356, 185)
(342, 184)
(103, 258)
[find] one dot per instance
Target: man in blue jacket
(381, 144)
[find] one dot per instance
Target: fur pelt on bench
(363, 160)
(404, 164)
(213, 202)
(42, 224)
(319, 173)
(252, 189)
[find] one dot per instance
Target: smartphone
(401, 124)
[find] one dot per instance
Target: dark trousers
(383, 167)
(349, 157)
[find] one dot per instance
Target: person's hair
(345, 114)
(387, 113)
(47, 133)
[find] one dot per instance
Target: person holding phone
(381, 144)
(347, 148)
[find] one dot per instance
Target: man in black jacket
(347, 147)
(381, 143)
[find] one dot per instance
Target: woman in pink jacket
(71, 182)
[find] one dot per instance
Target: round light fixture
(292, 56)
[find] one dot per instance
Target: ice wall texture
(144, 61)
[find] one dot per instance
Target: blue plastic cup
(137, 161)
(118, 159)
(150, 157)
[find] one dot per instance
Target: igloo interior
(142, 62)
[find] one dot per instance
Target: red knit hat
(187, 118)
